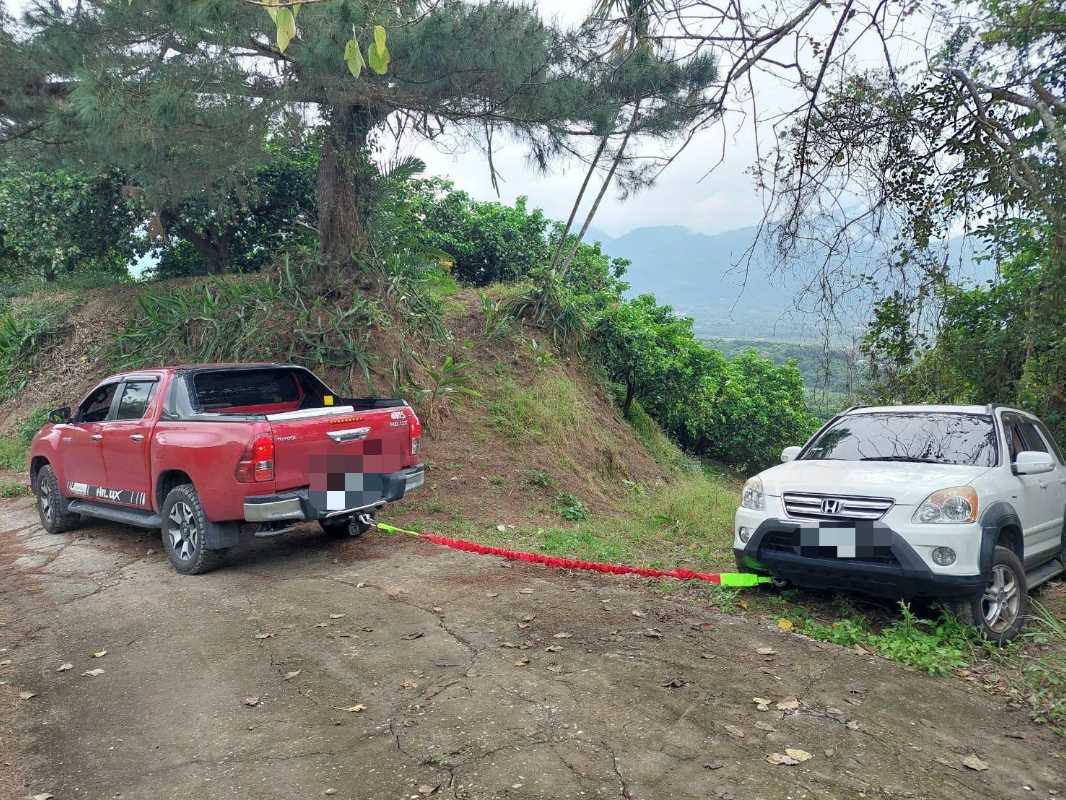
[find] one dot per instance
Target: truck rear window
(246, 389)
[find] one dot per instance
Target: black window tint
(1032, 439)
(96, 405)
(250, 387)
(134, 399)
(1040, 426)
(940, 438)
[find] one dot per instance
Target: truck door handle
(348, 435)
(136, 437)
(1043, 484)
(97, 437)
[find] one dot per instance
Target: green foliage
(10, 490)
(1044, 672)
(540, 479)
(441, 386)
(571, 507)
(14, 449)
(934, 646)
(59, 223)
(543, 411)
(25, 331)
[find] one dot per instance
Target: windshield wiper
(903, 458)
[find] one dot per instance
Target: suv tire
(344, 526)
(1001, 611)
(184, 532)
(51, 505)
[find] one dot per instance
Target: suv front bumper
(895, 571)
(296, 505)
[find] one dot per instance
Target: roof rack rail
(853, 408)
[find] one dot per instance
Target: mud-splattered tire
(1001, 611)
(184, 533)
(344, 526)
(51, 505)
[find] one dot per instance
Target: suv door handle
(136, 437)
(1042, 484)
(97, 437)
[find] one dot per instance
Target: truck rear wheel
(185, 532)
(1001, 611)
(345, 526)
(51, 505)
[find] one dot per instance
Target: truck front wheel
(51, 505)
(1000, 612)
(184, 533)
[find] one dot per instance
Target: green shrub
(25, 331)
(10, 490)
(571, 507)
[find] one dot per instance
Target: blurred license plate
(842, 539)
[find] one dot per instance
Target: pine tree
(179, 94)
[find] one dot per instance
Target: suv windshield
(932, 438)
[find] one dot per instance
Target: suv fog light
(944, 556)
(745, 534)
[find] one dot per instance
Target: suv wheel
(51, 505)
(345, 526)
(184, 526)
(1000, 612)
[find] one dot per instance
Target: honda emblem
(830, 505)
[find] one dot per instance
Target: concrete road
(391, 668)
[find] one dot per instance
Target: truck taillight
(257, 461)
(414, 429)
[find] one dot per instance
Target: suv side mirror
(59, 415)
(1033, 462)
(790, 453)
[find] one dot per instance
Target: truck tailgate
(336, 450)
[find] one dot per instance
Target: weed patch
(541, 412)
(14, 447)
(25, 331)
(10, 490)
(657, 443)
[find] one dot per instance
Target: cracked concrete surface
(449, 654)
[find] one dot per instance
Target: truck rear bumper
(296, 505)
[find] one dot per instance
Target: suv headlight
(752, 496)
(955, 505)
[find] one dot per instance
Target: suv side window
(1040, 426)
(1015, 443)
(98, 404)
(1032, 439)
(135, 398)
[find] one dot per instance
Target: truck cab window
(96, 405)
(134, 400)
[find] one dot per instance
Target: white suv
(964, 504)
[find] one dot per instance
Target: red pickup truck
(197, 451)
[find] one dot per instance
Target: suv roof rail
(853, 408)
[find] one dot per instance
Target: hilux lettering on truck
(199, 451)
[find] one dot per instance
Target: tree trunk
(577, 202)
(630, 392)
(342, 173)
(210, 248)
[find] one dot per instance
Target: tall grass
(25, 331)
(543, 411)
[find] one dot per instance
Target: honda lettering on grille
(830, 505)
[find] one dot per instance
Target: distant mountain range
(733, 287)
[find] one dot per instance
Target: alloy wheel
(44, 499)
(182, 531)
(1002, 599)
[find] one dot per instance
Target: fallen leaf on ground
(330, 791)
(264, 636)
(27, 695)
(733, 731)
(637, 613)
(761, 701)
(974, 763)
(525, 591)
(799, 755)
(336, 616)
(765, 726)
(5, 662)
(852, 725)
(43, 796)
(437, 609)
(553, 648)
(674, 683)
(522, 662)
(99, 654)
(250, 701)
(412, 636)
(425, 788)
(785, 624)
(408, 685)
(360, 585)
(501, 528)
(523, 625)
(492, 594)
(714, 765)
(93, 673)
(290, 675)
(563, 635)
(64, 667)
(766, 651)
(321, 624)
(529, 617)
(555, 668)
(788, 704)
(355, 709)
(653, 633)
(779, 759)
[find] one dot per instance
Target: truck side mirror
(1033, 462)
(790, 453)
(59, 415)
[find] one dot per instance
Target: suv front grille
(789, 542)
(805, 505)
